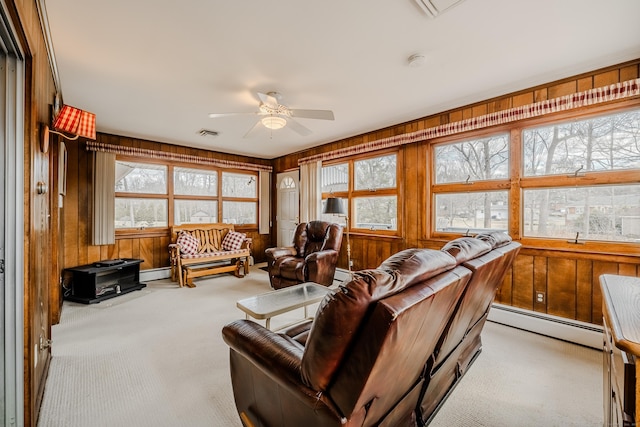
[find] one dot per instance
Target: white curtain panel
(310, 191)
(104, 195)
(265, 202)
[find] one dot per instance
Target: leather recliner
(378, 345)
(312, 258)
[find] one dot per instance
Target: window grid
(193, 208)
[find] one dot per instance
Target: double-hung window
(369, 188)
(141, 195)
(471, 181)
(581, 179)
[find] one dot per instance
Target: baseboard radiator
(574, 331)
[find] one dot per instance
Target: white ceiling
(155, 69)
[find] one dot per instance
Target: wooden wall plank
(584, 290)
(561, 287)
(522, 295)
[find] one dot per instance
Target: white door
(288, 199)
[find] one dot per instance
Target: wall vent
(434, 8)
(207, 132)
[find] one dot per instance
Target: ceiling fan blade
(253, 129)
(214, 115)
(268, 99)
(297, 127)
(312, 114)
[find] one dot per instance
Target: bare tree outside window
(576, 149)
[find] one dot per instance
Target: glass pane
(376, 213)
(139, 213)
(239, 185)
(240, 212)
(379, 172)
(335, 178)
(141, 178)
(610, 213)
(195, 182)
(475, 160)
(472, 212)
(597, 144)
(195, 211)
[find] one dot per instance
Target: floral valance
(163, 155)
(595, 96)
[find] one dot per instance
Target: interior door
(288, 200)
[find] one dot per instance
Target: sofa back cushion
(495, 238)
(338, 319)
(466, 248)
(315, 236)
(416, 265)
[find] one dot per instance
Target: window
(572, 181)
(137, 188)
(239, 198)
(371, 198)
(582, 179)
(144, 196)
(466, 174)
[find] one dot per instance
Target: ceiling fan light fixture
(273, 122)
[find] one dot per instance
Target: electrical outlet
(540, 297)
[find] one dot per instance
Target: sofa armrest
(275, 253)
(279, 357)
(321, 266)
(247, 243)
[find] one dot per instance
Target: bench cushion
(188, 244)
(213, 254)
(233, 240)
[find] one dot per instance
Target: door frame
(12, 116)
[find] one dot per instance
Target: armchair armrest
(275, 253)
(321, 266)
(247, 243)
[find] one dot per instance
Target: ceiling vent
(434, 8)
(207, 132)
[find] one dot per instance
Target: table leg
(268, 323)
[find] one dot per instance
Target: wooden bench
(210, 257)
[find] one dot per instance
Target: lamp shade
(334, 206)
(76, 121)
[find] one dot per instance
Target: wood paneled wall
(569, 281)
(151, 248)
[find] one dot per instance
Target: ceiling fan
(274, 115)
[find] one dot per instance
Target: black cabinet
(101, 280)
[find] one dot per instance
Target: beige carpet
(155, 357)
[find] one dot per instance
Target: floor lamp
(334, 206)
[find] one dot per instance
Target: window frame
(351, 194)
(517, 182)
(171, 197)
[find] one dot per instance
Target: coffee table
(269, 304)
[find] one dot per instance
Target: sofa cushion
(338, 319)
(466, 248)
(188, 243)
(416, 265)
(495, 238)
(233, 240)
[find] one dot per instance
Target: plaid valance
(595, 96)
(163, 155)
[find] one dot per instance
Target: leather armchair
(312, 258)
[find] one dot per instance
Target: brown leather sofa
(312, 258)
(384, 349)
